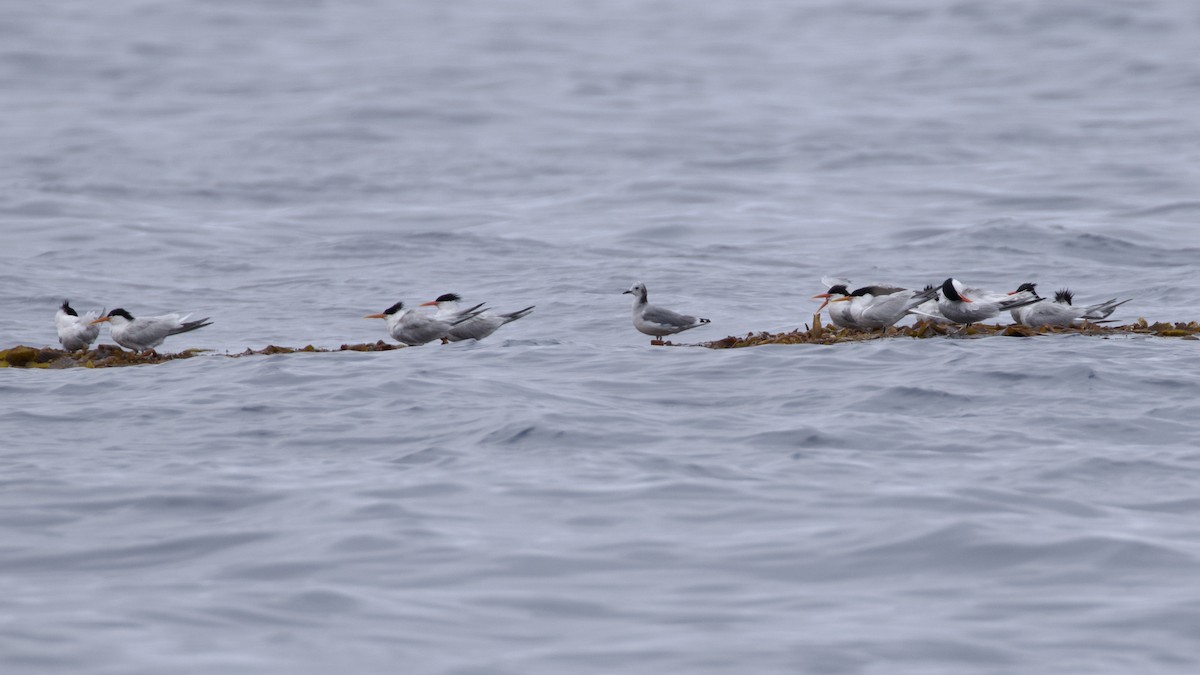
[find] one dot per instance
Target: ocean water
(563, 497)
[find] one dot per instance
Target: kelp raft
(110, 356)
(821, 335)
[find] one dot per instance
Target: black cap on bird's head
(859, 292)
(66, 307)
(1028, 287)
(950, 291)
(1065, 295)
(116, 312)
(445, 297)
(834, 289)
(387, 312)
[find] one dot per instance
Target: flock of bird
(868, 308)
(878, 307)
(409, 327)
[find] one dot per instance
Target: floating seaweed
(822, 335)
(110, 356)
(103, 356)
(380, 346)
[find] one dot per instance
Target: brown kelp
(822, 335)
(110, 356)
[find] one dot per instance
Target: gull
(412, 328)
(477, 327)
(656, 321)
(148, 332)
(75, 332)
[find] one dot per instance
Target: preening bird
(75, 332)
(960, 304)
(1061, 312)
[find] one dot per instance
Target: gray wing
(476, 328)
(151, 330)
(665, 317)
(416, 328)
(1049, 314)
(882, 289)
(888, 307)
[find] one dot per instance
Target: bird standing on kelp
(148, 332)
(75, 333)
(656, 321)
(839, 314)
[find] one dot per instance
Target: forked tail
(1102, 310)
(192, 325)
(513, 316)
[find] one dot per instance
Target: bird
(656, 321)
(960, 304)
(874, 307)
(75, 332)
(148, 332)
(928, 310)
(477, 327)
(839, 314)
(1061, 312)
(412, 328)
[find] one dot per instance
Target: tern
(75, 332)
(839, 314)
(412, 328)
(928, 310)
(656, 321)
(477, 327)
(1061, 312)
(960, 304)
(882, 306)
(148, 332)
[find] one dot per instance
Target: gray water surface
(562, 497)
